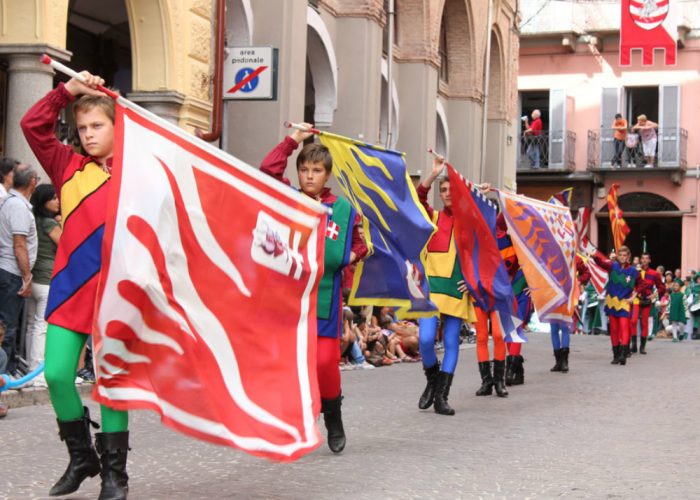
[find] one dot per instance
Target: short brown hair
(88, 102)
(315, 153)
(624, 248)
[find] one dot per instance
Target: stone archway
(239, 23)
(395, 110)
(456, 21)
(442, 131)
(323, 69)
(497, 90)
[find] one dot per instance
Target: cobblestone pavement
(600, 431)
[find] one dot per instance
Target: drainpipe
(390, 76)
(487, 71)
(220, 18)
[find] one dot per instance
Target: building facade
(569, 69)
(332, 70)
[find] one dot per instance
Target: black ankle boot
(442, 392)
(643, 345)
(499, 371)
(633, 345)
(426, 399)
(509, 370)
(557, 364)
(84, 461)
(616, 354)
(624, 353)
(518, 371)
(486, 379)
(113, 448)
(564, 359)
(333, 418)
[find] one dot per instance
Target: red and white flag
(599, 276)
(207, 298)
(648, 25)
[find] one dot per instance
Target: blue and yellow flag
(396, 226)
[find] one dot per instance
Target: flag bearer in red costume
(447, 292)
(343, 246)
(642, 302)
(620, 293)
(82, 182)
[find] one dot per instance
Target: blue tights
(428, 332)
(555, 328)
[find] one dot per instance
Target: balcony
(670, 154)
(554, 150)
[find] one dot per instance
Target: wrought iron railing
(668, 150)
(553, 150)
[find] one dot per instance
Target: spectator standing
(677, 313)
(3, 362)
(46, 207)
(533, 134)
(6, 167)
(647, 132)
(619, 127)
(18, 249)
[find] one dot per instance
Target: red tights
(482, 337)
(619, 330)
(327, 359)
(514, 348)
(645, 310)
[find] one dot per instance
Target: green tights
(63, 348)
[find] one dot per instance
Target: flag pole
(299, 126)
(484, 186)
(62, 68)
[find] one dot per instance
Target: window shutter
(609, 107)
(557, 127)
(669, 125)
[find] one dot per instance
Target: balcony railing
(551, 151)
(606, 152)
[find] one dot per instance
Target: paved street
(600, 431)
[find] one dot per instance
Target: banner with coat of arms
(648, 25)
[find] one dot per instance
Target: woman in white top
(647, 132)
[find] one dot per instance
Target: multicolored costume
(649, 279)
(515, 371)
(82, 186)
(622, 281)
(342, 238)
(444, 275)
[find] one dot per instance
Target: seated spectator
(349, 346)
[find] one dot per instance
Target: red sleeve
(275, 163)
(423, 198)
(359, 248)
(583, 272)
(660, 286)
(38, 126)
(536, 127)
(603, 262)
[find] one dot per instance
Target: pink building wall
(583, 74)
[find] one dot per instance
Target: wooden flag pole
(74, 74)
(299, 126)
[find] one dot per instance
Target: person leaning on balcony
(647, 132)
(619, 127)
(532, 133)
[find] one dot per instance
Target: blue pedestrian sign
(250, 73)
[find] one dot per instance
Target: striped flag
(599, 276)
(562, 197)
(619, 227)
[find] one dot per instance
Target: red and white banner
(648, 25)
(207, 298)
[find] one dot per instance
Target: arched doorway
(442, 131)
(652, 219)
(383, 121)
(321, 73)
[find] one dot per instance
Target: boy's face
(96, 133)
(312, 178)
(623, 257)
(445, 194)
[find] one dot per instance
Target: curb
(18, 398)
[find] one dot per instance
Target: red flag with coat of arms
(648, 25)
(619, 227)
(206, 310)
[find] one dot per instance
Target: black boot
(616, 354)
(84, 461)
(333, 418)
(624, 353)
(442, 392)
(633, 345)
(486, 379)
(518, 370)
(499, 371)
(113, 448)
(426, 399)
(557, 364)
(564, 359)
(510, 374)
(643, 345)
